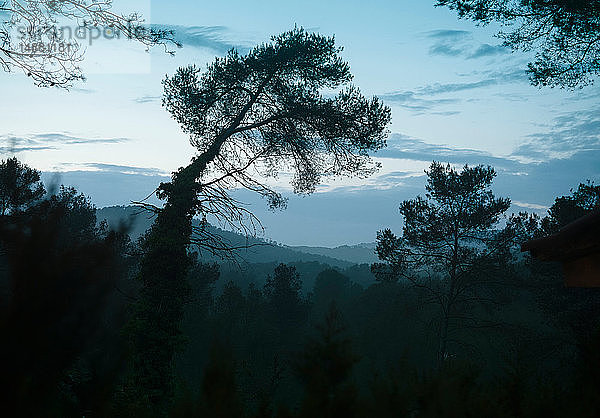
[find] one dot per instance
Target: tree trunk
(155, 328)
(443, 346)
(447, 310)
(155, 333)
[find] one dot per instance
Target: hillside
(261, 251)
(359, 254)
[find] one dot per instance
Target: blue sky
(456, 96)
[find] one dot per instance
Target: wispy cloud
(409, 148)
(447, 50)
(147, 99)
(214, 38)
(418, 102)
(529, 205)
(398, 175)
(443, 88)
(571, 133)
(83, 90)
(448, 34)
(118, 185)
(63, 138)
(532, 185)
(487, 50)
(40, 142)
(4, 149)
(425, 100)
(113, 168)
(460, 43)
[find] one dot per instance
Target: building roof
(578, 239)
(577, 247)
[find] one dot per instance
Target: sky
(456, 95)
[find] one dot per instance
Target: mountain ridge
(260, 249)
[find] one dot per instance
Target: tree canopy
(566, 209)
(266, 110)
(20, 186)
(564, 33)
(448, 239)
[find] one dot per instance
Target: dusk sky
(456, 96)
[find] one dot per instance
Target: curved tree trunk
(155, 328)
(155, 333)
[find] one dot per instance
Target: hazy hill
(263, 252)
(359, 254)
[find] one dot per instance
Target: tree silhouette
(20, 186)
(324, 367)
(219, 387)
(282, 289)
(566, 209)
(43, 53)
(284, 301)
(331, 286)
(573, 309)
(448, 247)
(247, 115)
(60, 272)
(565, 34)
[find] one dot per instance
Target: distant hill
(140, 221)
(356, 254)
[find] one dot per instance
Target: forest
(176, 306)
(377, 340)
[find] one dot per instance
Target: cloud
(40, 142)
(439, 88)
(571, 133)
(447, 50)
(460, 43)
(62, 138)
(401, 146)
(516, 73)
(83, 90)
(545, 181)
(532, 185)
(487, 50)
(448, 34)
(17, 149)
(147, 99)
(213, 38)
(450, 43)
(529, 205)
(107, 188)
(397, 175)
(446, 113)
(115, 168)
(423, 100)
(417, 102)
